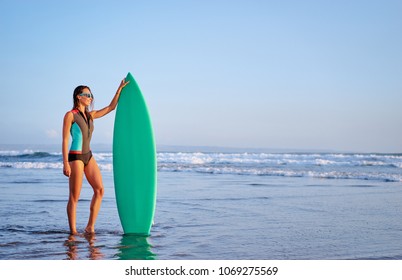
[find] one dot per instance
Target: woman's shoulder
(92, 114)
(68, 118)
(72, 112)
(69, 114)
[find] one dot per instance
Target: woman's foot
(89, 230)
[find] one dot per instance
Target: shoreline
(103, 147)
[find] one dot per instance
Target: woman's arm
(100, 113)
(67, 122)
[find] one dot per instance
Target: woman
(79, 161)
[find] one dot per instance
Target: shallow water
(208, 215)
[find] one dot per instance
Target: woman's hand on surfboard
(123, 84)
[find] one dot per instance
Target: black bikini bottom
(85, 158)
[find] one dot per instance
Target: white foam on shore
(327, 166)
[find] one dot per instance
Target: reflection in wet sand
(72, 247)
(134, 247)
(94, 251)
(75, 246)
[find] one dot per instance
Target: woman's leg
(75, 185)
(94, 178)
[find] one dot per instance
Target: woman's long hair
(78, 90)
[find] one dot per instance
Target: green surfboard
(134, 161)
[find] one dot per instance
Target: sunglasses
(87, 95)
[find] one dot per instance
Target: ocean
(242, 205)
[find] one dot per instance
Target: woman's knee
(99, 191)
(73, 199)
(74, 193)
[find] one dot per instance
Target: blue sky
(271, 74)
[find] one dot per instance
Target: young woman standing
(78, 160)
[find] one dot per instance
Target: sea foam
(384, 167)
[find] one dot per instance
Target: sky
(301, 75)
